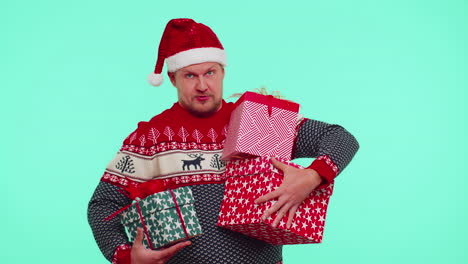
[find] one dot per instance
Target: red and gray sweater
(157, 150)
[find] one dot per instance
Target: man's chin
(204, 110)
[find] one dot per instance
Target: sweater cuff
(122, 254)
(325, 167)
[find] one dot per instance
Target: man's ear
(171, 77)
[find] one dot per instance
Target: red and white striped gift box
(261, 125)
(251, 178)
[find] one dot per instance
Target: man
(196, 125)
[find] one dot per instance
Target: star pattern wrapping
(249, 179)
(161, 217)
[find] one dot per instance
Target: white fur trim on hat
(155, 79)
(194, 56)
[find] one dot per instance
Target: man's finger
(275, 207)
(278, 164)
(139, 238)
(282, 212)
(268, 196)
(170, 251)
(292, 212)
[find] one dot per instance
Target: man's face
(200, 87)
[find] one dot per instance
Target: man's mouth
(202, 98)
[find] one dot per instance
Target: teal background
(394, 73)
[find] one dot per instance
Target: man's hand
(141, 255)
(297, 185)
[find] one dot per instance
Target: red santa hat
(183, 43)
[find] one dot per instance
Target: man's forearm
(320, 139)
(109, 234)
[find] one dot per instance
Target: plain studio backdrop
(393, 73)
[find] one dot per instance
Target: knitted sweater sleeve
(109, 234)
(331, 145)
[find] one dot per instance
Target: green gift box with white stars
(166, 217)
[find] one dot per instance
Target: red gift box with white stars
(251, 178)
(261, 125)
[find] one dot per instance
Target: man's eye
(210, 73)
(189, 75)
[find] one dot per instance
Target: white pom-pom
(155, 79)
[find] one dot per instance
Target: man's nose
(202, 85)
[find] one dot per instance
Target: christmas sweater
(183, 149)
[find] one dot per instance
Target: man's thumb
(278, 164)
(139, 237)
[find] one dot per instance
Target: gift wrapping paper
(261, 125)
(161, 217)
(251, 178)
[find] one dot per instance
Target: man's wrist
(325, 167)
(314, 176)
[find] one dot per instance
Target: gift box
(251, 178)
(166, 217)
(261, 125)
